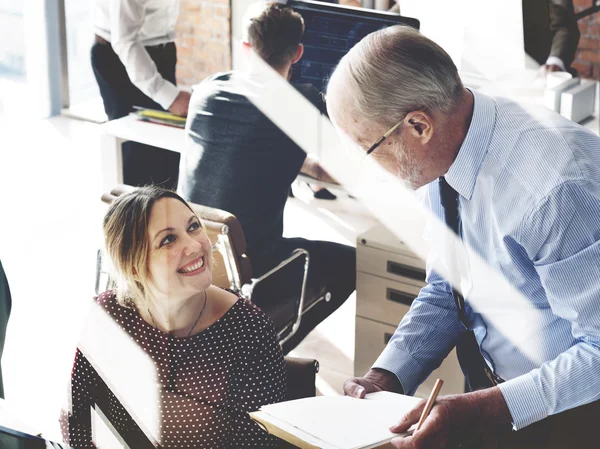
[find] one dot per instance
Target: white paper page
(345, 422)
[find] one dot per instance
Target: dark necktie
(478, 374)
(449, 199)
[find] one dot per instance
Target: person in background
(551, 33)
(5, 306)
(214, 356)
(521, 188)
(134, 58)
(239, 161)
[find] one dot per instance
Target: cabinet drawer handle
(405, 271)
(399, 297)
(386, 337)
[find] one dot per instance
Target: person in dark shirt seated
(238, 160)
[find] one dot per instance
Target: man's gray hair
(397, 70)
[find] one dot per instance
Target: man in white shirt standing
(134, 58)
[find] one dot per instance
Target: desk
(169, 138)
(127, 128)
(521, 88)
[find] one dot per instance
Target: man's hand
(181, 103)
(375, 380)
(453, 419)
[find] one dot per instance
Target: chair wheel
(327, 297)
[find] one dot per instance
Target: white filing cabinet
(388, 278)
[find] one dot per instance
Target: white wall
(238, 8)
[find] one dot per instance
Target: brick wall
(203, 39)
(587, 58)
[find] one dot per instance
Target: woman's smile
(193, 268)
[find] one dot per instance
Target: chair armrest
(301, 374)
(248, 289)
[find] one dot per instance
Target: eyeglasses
(385, 136)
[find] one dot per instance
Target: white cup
(553, 79)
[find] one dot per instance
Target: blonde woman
(215, 355)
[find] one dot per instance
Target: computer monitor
(332, 30)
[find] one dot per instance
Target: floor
(49, 233)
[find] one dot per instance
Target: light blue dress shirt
(529, 194)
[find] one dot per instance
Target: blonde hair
(126, 241)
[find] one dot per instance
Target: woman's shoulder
(108, 301)
(246, 311)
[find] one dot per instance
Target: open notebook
(336, 422)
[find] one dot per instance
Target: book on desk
(336, 422)
(159, 117)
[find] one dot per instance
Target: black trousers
(5, 306)
(142, 164)
(332, 268)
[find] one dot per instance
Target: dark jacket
(550, 29)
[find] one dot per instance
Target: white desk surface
(167, 137)
(161, 136)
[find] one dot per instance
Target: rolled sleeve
(553, 60)
(166, 94)
(140, 67)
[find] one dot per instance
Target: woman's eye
(194, 226)
(168, 239)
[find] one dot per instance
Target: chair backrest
(301, 376)
(232, 268)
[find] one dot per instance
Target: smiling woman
(214, 355)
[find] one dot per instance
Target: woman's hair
(273, 31)
(126, 240)
(397, 70)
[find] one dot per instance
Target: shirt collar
(462, 174)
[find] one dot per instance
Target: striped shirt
(529, 194)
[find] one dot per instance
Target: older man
(523, 191)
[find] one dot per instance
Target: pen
(430, 401)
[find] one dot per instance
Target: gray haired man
(522, 190)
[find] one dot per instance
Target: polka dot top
(207, 383)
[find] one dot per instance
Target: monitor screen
(332, 30)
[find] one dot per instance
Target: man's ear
(299, 53)
(420, 126)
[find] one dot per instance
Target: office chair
(232, 269)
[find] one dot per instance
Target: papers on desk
(336, 422)
(160, 117)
